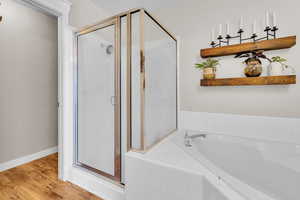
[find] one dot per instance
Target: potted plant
(209, 68)
(277, 66)
(253, 63)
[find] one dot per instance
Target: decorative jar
(253, 68)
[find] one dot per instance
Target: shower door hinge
(142, 62)
(143, 70)
(144, 83)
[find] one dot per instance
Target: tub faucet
(188, 138)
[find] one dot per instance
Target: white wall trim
(55, 7)
(277, 129)
(61, 9)
(26, 159)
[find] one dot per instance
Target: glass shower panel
(124, 90)
(135, 81)
(96, 100)
(160, 83)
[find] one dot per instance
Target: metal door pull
(113, 100)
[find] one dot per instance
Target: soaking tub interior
(255, 168)
(228, 167)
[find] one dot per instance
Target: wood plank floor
(38, 181)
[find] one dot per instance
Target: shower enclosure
(126, 90)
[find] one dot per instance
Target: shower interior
(126, 90)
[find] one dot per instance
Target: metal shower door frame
(114, 21)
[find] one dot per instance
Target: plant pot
(209, 73)
(253, 68)
(275, 69)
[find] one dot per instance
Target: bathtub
(168, 172)
(255, 169)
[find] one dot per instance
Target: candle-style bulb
(212, 35)
(274, 19)
(227, 29)
(267, 19)
(254, 27)
(241, 22)
(220, 29)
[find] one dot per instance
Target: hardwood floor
(38, 181)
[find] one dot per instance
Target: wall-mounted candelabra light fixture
(270, 32)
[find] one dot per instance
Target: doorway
(28, 84)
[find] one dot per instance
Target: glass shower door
(160, 88)
(153, 83)
(98, 97)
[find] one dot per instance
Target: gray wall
(275, 101)
(28, 81)
(192, 21)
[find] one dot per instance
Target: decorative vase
(279, 69)
(253, 68)
(289, 70)
(209, 73)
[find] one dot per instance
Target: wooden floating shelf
(264, 80)
(274, 44)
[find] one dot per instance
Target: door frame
(61, 9)
(117, 108)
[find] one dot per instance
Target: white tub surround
(252, 167)
(280, 129)
(167, 172)
(260, 151)
(173, 171)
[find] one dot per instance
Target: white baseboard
(279, 129)
(26, 159)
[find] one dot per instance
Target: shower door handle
(113, 100)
